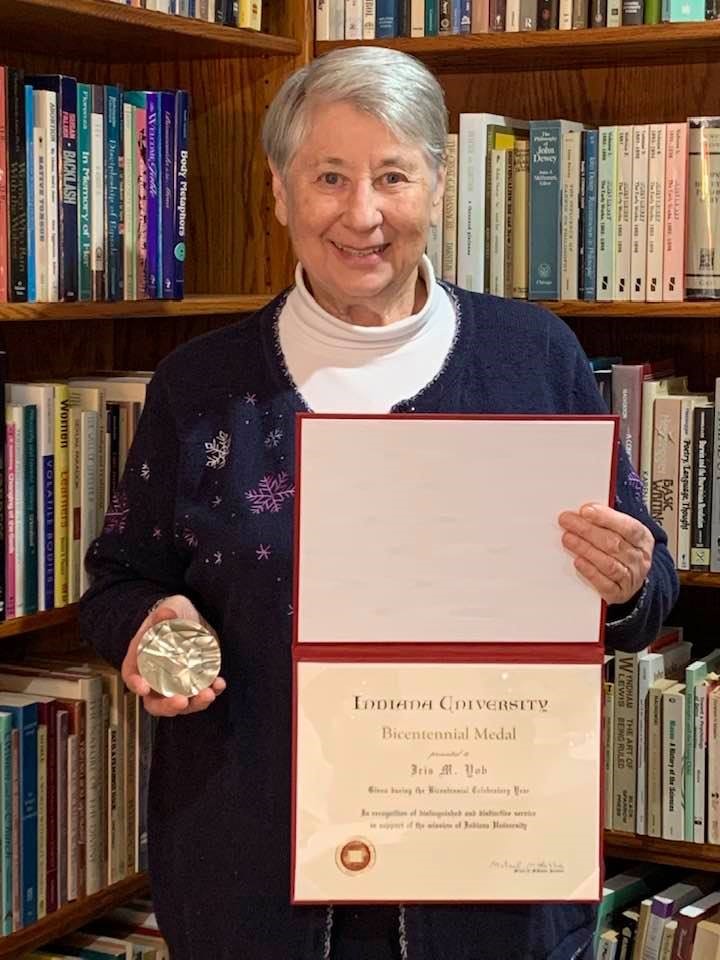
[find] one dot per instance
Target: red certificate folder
(447, 670)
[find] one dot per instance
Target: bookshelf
(239, 256)
(70, 917)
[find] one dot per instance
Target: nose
(363, 211)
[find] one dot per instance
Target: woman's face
(358, 204)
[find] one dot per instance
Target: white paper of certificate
(438, 781)
(445, 530)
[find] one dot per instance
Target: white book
(565, 14)
(606, 212)
(449, 262)
(638, 252)
(93, 398)
(571, 149)
(337, 19)
(651, 390)
(353, 20)
(417, 18)
(369, 7)
(651, 667)
(322, 20)
(655, 212)
(607, 945)
(608, 751)
(512, 16)
(668, 939)
(472, 149)
(625, 741)
(654, 763)
(673, 818)
(40, 187)
(53, 225)
(623, 213)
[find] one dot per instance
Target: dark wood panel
(192, 305)
(47, 350)
(695, 856)
(662, 43)
(117, 32)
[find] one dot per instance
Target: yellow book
(250, 14)
(61, 453)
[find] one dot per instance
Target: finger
(200, 701)
(608, 589)
(163, 612)
(611, 568)
(160, 706)
(625, 526)
(218, 685)
(608, 541)
(135, 683)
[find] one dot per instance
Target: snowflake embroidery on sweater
(157, 533)
(189, 537)
(218, 449)
(635, 483)
(217, 558)
(145, 471)
(263, 552)
(251, 398)
(216, 501)
(272, 491)
(117, 515)
(274, 438)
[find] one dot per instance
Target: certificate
(446, 781)
(429, 530)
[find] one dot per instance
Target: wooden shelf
(693, 578)
(593, 308)
(71, 917)
(694, 856)
(551, 49)
(192, 306)
(112, 32)
(38, 621)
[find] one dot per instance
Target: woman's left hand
(612, 550)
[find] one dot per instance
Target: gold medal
(179, 656)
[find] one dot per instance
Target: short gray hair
(389, 85)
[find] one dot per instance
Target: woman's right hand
(155, 703)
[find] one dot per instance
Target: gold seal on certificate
(179, 657)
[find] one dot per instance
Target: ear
(436, 208)
(280, 193)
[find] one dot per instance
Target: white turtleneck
(339, 367)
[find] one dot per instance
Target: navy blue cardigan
(205, 509)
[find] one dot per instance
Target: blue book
(113, 127)
(590, 151)
(167, 195)
(30, 531)
(24, 714)
(65, 89)
(546, 207)
(181, 183)
(84, 110)
(30, 180)
(6, 866)
(386, 19)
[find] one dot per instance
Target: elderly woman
(355, 143)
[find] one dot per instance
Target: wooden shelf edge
(124, 31)
(70, 917)
(696, 578)
(695, 856)
(38, 621)
(656, 43)
(191, 306)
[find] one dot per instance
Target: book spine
(570, 214)
(16, 832)
(30, 413)
(655, 212)
(449, 271)
(665, 461)
(498, 187)
(520, 221)
(153, 195)
(699, 762)
(67, 141)
(41, 821)
(608, 751)
(52, 194)
(49, 712)
(9, 516)
(141, 269)
(545, 160)
(85, 257)
(40, 177)
(547, 14)
(431, 19)
(607, 183)
(713, 768)
(685, 484)
(626, 683)
(113, 283)
(181, 149)
(17, 416)
(632, 12)
(638, 254)
(673, 762)
(590, 138)
(623, 217)
(63, 817)
(30, 192)
(61, 491)
(702, 267)
(675, 200)
(6, 790)
(598, 13)
(168, 192)
(17, 185)
(3, 191)
(97, 202)
(129, 193)
(715, 513)
(703, 430)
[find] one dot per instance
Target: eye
(394, 177)
(330, 179)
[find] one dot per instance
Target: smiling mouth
(360, 253)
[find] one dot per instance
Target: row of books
(229, 13)
(671, 436)
(74, 764)
(662, 741)
(380, 19)
(65, 447)
(129, 932)
(554, 210)
(654, 912)
(93, 190)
